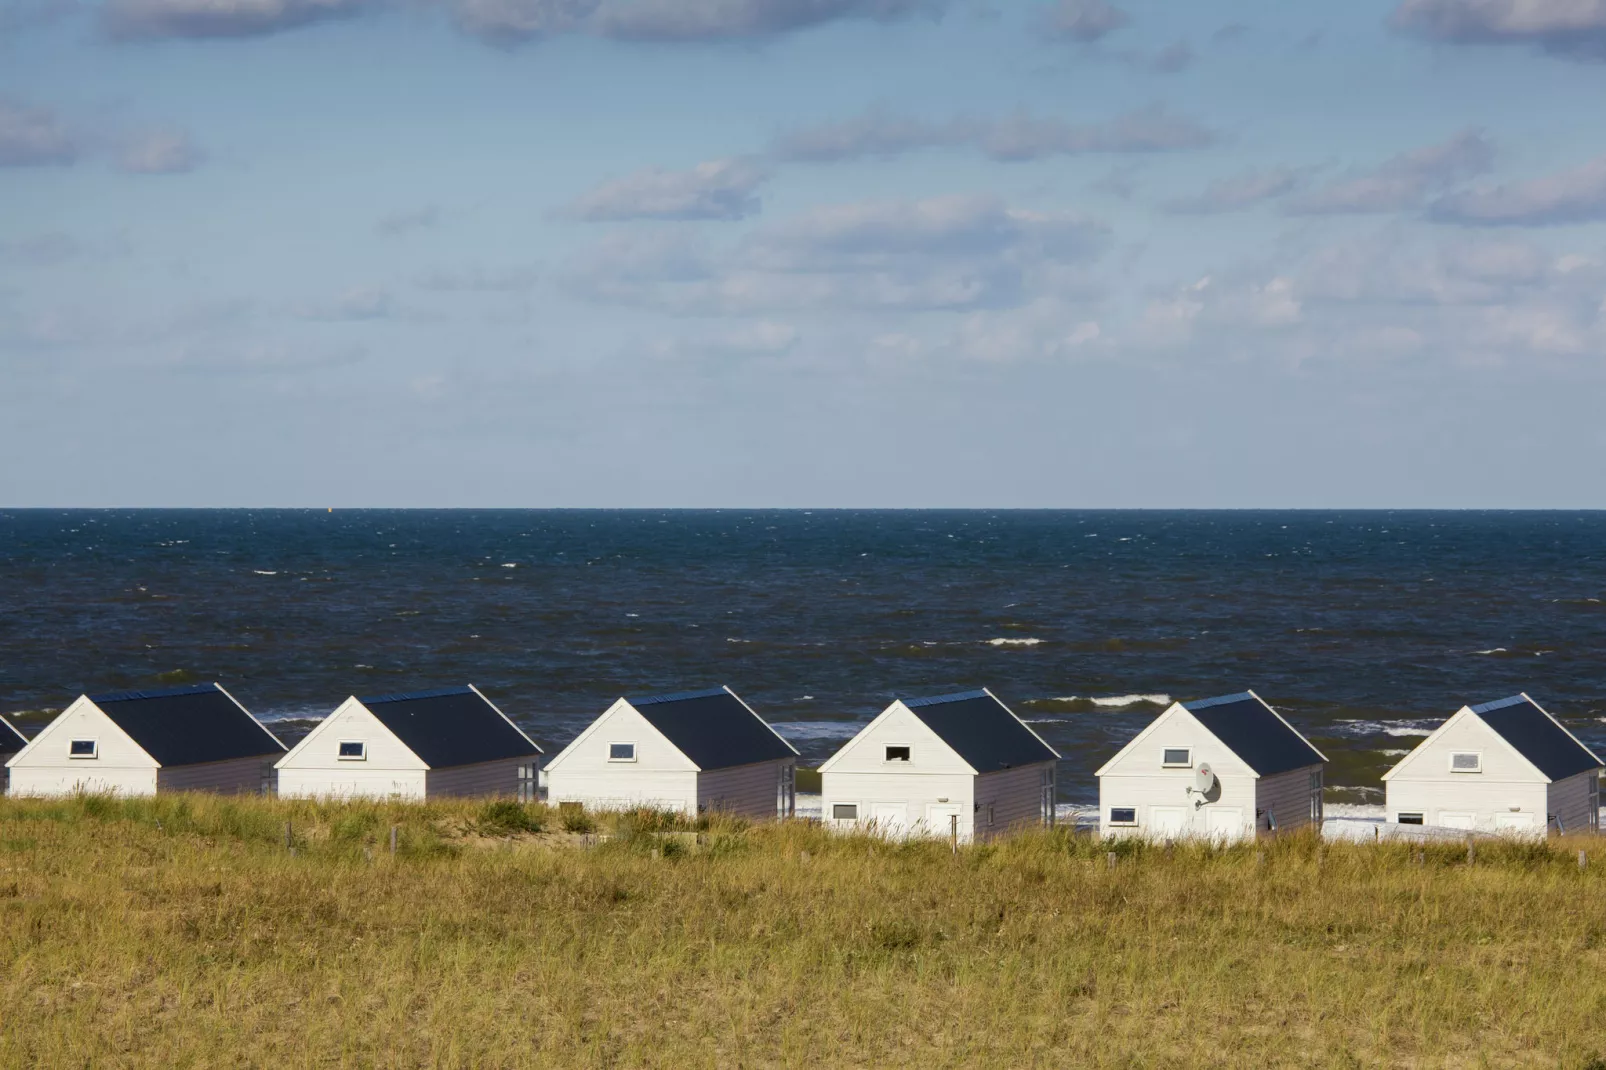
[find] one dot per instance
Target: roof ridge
(406, 696)
(1219, 700)
(957, 696)
(165, 692)
(1502, 703)
(679, 696)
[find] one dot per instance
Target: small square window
(83, 748)
(1466, 762)
(1408, 819)
(353, 750)
(621, 752)
(897, 754)
(1177, 758)
(1123, 815)
(844, 811)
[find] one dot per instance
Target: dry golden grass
(180, 932)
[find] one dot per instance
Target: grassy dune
(181, 932)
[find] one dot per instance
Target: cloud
(357, 303)
(1577, 195)
(1175, 57)
(481, 280)
(1404, 181)
(19, 15)
(48, 249)
(155, 19)
(1020, 137)
(718, 20)
(1084, 21)
(514, 22)
(1239, 191)
(1573, 29)
(395, 224)
(33, 137)
(159, 152)
(716, 189)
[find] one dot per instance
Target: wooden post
(1471, 850)
(1583, 860)
(953, 832)
(1260, 858)
(393, 839)
(1421, 858)
(1109, 860)
(287, 840)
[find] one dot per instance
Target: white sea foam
(510, 564)
(1013, 642)
(817, 729)
(1412, 727)
(263, 572)
(730, 640)
(1402, 730)
(1392, 752)
(1119, 701)
(1492, 650)
(1046, 720)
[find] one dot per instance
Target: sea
(1364, 628)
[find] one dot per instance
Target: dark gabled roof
(1535, 734)
(11, 740)
(450, 726)
(188, 725)
(713, 728)
(981, 730)
(1253, 731)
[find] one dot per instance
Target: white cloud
(33, 137)
(405, 221)
(151, 19)
(715, 189)
(1575, 29)
(1404, 181)
(1239, 191)
(1577, 195)
(1084, 21)
(159, 152)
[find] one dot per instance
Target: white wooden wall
(751, 791)
(314, 769)
(1287, 796)
(1137, 778)
(44, 768)
(901, 798)
(482, 778)
(1012, 798)
(1569, 800)
(238, 776)
(661, 777)
(1422, 781)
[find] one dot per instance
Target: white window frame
(1478, 754)
(834, 807)
(94, 750)
(622, 743)
(1186, 764)
(360, 756)
(897, 761)
(1420, 815)
(1124, 824)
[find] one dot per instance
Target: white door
(941, 819)
(891, 819)
(1225, 823)
(1167, 822)
(1514, 824)
(1457, 819)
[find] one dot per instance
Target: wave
(263, 572)
(1120, 701)
(510, 564)
(805, 730)
(1013, 642)
(1415, 726)
(1493, 650)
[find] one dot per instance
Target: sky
(803, 253)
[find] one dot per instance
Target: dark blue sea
(1363, 627)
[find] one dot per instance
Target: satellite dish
(1203, 779)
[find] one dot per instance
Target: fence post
(393, 839)
(1109, 860)
(287, 839)
(1471, 850)
(1583, 860)
(953, 832)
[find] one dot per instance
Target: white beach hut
(1221, 768)
(418, 745)
(932, 766)
(1506, 766)
(11, 741)
(688, 752)
(143, 742)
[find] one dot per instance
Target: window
(898, 754)
(1177, 758)
(1408, 819)
(83, 748)
(844, 811)
(353, 750)
(621, 752)
(1123, 815)
(1466, 762)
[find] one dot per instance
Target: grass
(180, 931)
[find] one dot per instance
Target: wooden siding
(121, 766)
(746, 790)
(661, 777)
(1287, 795)
(238, 776)
(1569, 801)
(1508, 784)
(1137, 778)
(314, 769)
(482, 778)
(1014, 797)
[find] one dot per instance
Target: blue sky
(802, 253)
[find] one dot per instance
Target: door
(1225, 823)
(1167, 822)
(941, 819)
(1514, 824)
(891, 819)
(1458, 819)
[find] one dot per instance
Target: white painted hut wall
(1138, 778)
(237, 776)
(314, 769)
(1569, 800)
(1422, 782)
(1015, 797)
(751, 790)
(859, 774)
(121, 766)
(1287, 797)
(500, 777)
(661, 777)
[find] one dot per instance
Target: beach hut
(418, 745)
(960, 763)
(688, 752)
(143, 742)
(1222, 768)
(11, 741)
(1506, 766)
